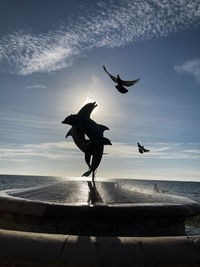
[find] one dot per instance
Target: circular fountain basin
(100, 209)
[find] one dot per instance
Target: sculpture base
(100, 209)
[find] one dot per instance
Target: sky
(51, 58)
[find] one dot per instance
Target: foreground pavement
(23, 249)
(103, 224)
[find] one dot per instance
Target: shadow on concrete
(94, 196)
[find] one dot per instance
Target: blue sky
(51, 57)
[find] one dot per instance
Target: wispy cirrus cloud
(196, 151)
(157, 151)
(191, 67)
(103, 24)
(57, 150)
(36, 86)
(67, 150)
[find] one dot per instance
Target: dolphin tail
(88, 158)
(87, 173)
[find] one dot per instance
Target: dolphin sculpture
(89, 127)
(93, 147)
(94, 132)
(141, 149)
(78, 135)
(120, 83)
(97, 153)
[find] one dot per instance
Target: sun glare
(90, 100)
(92, 92)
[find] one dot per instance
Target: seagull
(120, 83)
(142, 149)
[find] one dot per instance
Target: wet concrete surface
(82, 192)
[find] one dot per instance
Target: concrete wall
(23, 249)
(126, 220)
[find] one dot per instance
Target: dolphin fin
(103, 127)
(68, 134)
(87, 173)
(106, 141)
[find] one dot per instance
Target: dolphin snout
(63, 122)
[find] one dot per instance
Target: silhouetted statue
(97, 152)
(76, 133)
(120, 83)
(93, 147)
(89, 127)
(142, 149)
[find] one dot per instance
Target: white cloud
(196, 151)
(190, 66)
(103, 24)
(164, 161)
(36, 86)
(157, 151)
(57, 150)
(67, 149)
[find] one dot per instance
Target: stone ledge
(117, 219)
(22, 249)
(146, 210)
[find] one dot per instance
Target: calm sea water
(186, 189)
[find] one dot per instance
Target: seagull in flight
(120, 83)
(142, 149)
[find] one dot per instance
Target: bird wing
(139, 145)
(112, 77)
(130, 83)
(146, 150)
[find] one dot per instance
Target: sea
(187, 189)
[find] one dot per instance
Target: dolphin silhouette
(93, 147)
(78, 135)
(94, 132)
(88, 126)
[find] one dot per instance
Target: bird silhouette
(120, 83)
(141, 149)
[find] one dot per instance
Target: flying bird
(120, 83)
(142, 149)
